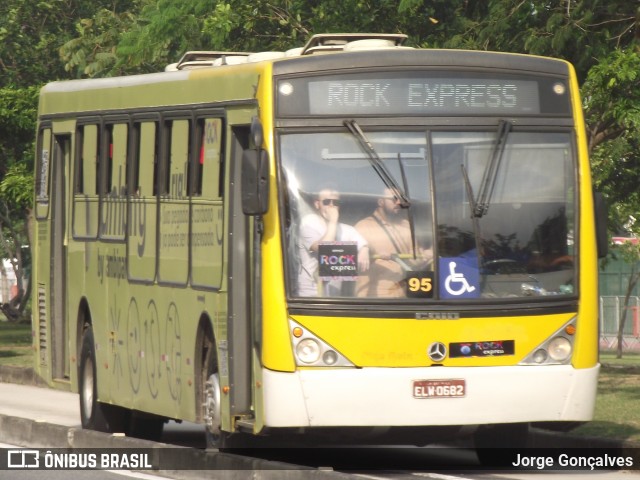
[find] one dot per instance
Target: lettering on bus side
(138, 222)
(147, 342)
(177, 185)
(114, 215)
(111, 265)
(114, 210)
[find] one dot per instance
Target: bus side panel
(586, 346)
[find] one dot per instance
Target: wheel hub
(212, 405)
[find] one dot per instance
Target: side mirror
(257, 133)
(255, 174)
(601, 214)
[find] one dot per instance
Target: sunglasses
(329, 201)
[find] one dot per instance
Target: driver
(388, 235)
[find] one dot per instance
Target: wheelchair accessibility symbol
(462, 279)
(455, 283)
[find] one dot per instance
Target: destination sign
(431, 94)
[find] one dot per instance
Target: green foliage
(16, 187)
(162, 29)
(17, 124)
(32, 31)
(612, 111)
(578, 30)
(93, 52)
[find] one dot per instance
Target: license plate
(453, 388)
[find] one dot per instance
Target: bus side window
(85, 211)
(173, 180)
(143, 168)
(105, 162)
(86, 169)
(78, 171)
(42, 173)
(118, 158)
(207, 214)
(179, 158)
(207, 163)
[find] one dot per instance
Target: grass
(617, 414)
(15, 344)
(629, 359)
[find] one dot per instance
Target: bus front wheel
(212, 398)
(212, 413)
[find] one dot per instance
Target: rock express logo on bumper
(491, 348)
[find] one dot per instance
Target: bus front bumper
(398, 396)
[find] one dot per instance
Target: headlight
(540, 356)
(559, 349)
(556, 349)
(330, 357)
(312, 351)
(308, 350)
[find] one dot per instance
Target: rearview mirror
(255, 182)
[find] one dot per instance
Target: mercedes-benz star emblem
(437, 351)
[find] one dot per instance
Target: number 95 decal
(419, 285)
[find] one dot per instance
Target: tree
(16, 194)
(162, 30)
(631, 255)
(580, 31)
(93, 52)
(17, 121)
(612, 106)
(31, 32)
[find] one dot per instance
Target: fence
(611, 310)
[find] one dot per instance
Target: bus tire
(95, 415)
(212, 398)
(91, 414)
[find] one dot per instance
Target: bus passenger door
(59, 326)
(240, 278)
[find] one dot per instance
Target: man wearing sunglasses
(319, 228)
(388, 235)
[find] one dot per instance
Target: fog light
(308, 351)
(330, 357)
(540, 356)
(559, 349)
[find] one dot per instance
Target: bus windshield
(349, 234)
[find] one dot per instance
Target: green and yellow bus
(451, 282)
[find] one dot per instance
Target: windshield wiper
(377, 164)
(481, 204)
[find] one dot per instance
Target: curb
(228, 466)
(21, 376)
